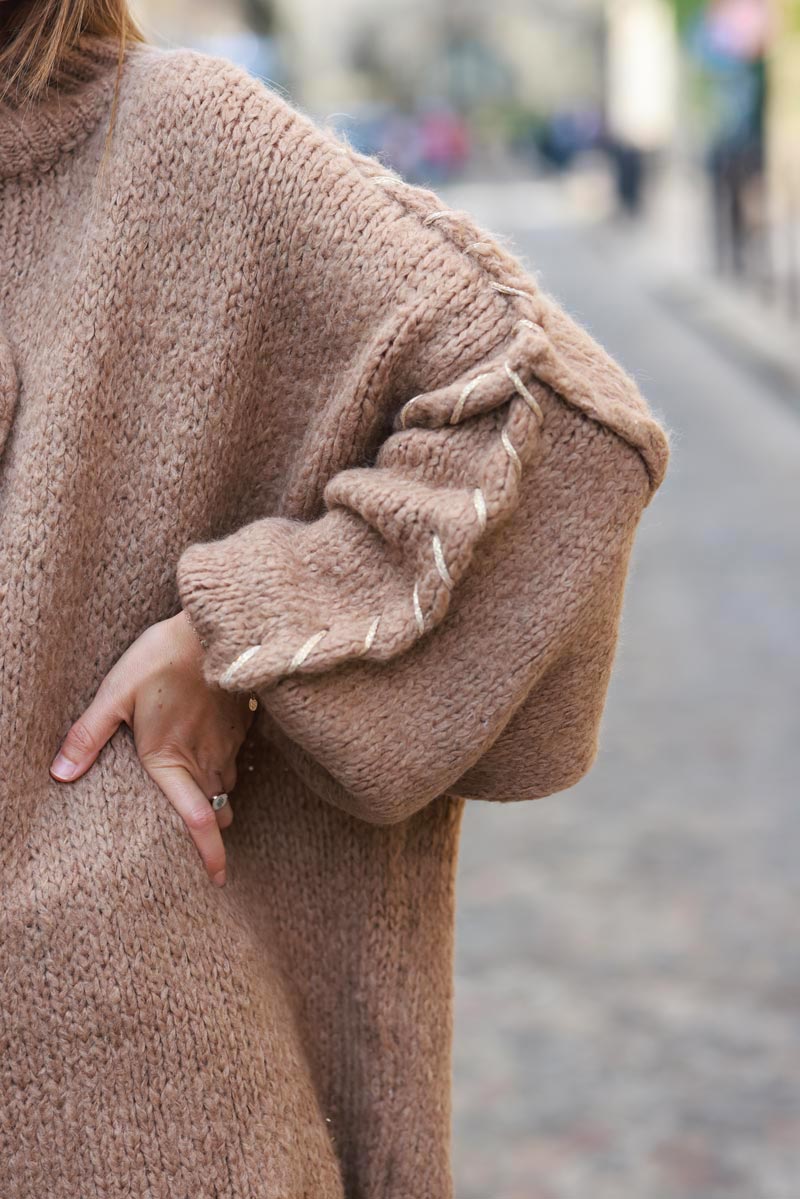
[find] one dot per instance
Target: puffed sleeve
(446, 619)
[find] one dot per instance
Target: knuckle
(201, 818)
(172, 749)
(80, 737)
(168, 754)
(107, 694)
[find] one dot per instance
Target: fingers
(223, 781)
(194, 808)
(225, 816)
(90, 732)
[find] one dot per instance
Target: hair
(37, 35)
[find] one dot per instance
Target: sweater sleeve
(445, 618)
(503, 700)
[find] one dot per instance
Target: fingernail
(219, 878)
(63, 767)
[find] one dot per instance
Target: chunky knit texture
(249, 371)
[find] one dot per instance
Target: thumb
(90, 732)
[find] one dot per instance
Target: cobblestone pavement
(628, 960)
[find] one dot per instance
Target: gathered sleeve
(438, 607)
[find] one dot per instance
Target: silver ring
(219, 801)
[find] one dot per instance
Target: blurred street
(628, 966)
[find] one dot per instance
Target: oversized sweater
(250, 372)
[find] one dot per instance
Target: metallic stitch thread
(370, 637)
(523, 391)
(512, 453)
(480, 506)
(441, 565)
(418, 616)
(510, 291)
(406, 406)
(455, 415)
(245, 656)
(305, 649)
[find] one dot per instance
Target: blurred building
(463, 48)
(544, 53)
(249, 32)
(641, 78)
(641, 75)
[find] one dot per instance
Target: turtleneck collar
(34, 134)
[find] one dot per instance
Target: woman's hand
(186, 733)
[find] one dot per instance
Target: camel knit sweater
(248, 371)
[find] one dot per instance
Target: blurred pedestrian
(444, 142)
(641, 56)
(730, 40)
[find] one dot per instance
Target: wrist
(249, 696)
(184, 615)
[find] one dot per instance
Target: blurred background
(628, 959)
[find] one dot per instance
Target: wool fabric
(249, 371)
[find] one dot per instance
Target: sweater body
(162, 1037)
(230, 355)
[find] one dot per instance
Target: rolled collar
(34, 134)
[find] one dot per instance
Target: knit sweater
(250, 372)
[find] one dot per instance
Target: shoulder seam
(505, 275)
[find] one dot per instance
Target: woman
(312, 504)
